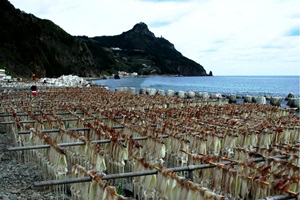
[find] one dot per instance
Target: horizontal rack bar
(54, 130)
(144, 173)
(33, 121)
(44, 146)
(60, 113)
(70, 129)
(279, 197)
(76, 129)
(37, 114)
(64, 119)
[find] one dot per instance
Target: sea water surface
(239, 85)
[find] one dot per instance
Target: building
(2, 74)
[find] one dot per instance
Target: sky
(232, 37)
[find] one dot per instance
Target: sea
(240, 85)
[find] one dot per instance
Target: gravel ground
(16, 178)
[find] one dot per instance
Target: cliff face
(32, 45)
(139, 50)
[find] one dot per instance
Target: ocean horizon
(240, 85)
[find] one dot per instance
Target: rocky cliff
(32, 45)
(139, 50)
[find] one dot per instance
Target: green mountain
(32, 45)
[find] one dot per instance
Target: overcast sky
(232, 37)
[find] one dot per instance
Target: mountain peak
(142, 28)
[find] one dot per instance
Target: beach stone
(4, 197)
(232, 98)
(191, 94)
(12, 197)
(170, 93)
(275, 101)
(181, 94)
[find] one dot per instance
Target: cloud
(271, 47)
(217, 34)
(160, 23)
(167, 0)
(209, 50)
(295, 31)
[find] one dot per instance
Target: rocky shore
(17, 178)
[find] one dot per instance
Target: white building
(2, 74)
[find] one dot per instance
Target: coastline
(213, 85)
(73, 81)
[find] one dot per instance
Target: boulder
(275, 101)
(261, 100)
(170, 93)
(215, 95)
(191, 94)
(232, 98)
(219, 96)
(161, 92)
(290, 96)
(181, 94)
(143, 91)
(119, 89)
(205, 95)
(294, 102)
(247, 99)
(268, 98)
(132, 90)
(152, 91)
